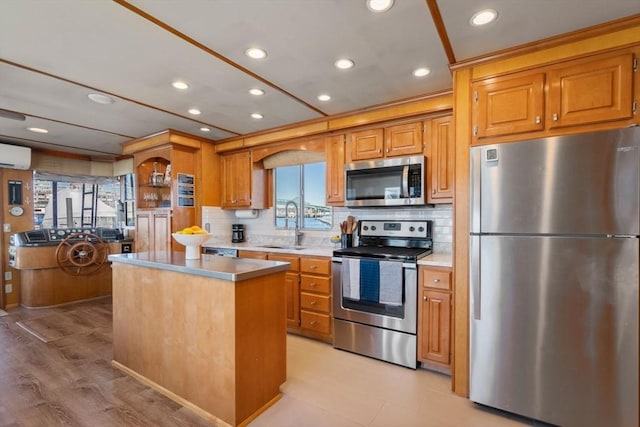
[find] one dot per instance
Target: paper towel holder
(247, 213)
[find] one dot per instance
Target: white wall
(261, 230)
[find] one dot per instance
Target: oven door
(398, 318)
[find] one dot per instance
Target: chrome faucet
(298, 233)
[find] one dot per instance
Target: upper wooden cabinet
(335, 169)
(397, 140)
(244, 185)
(440, 161)
(591, 91)
(508, 105)
(545, 101)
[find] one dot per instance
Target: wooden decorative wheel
(81, 254)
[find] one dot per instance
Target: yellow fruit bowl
(192, 243)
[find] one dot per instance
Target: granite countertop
(326, 251)
(232, 269)
(438, 259)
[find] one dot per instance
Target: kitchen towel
(391, 282)
(369, 281)
(351, 278)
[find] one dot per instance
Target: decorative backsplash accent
(261, 230)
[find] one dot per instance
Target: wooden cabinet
(244, 184)
(590, 91)
(398, 140)
(252, 254)
(550, 100)
(153, 230)
(335, 169)
(315, 297)
(434, 317)
(166, 197)
(508, 105)
(292, 285)
(440, 161)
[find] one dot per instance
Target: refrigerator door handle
(474, 193)
(474, 276)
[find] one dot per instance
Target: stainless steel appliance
(554, 278)
(228, 252)
(395, 181)
(375, 290)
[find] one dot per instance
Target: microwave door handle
(405, 182)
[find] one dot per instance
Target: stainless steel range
(375, 290)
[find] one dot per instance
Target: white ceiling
(54, 53)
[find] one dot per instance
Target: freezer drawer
(554, 328)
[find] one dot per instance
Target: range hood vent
(15, 157)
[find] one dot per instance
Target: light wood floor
(70, 382)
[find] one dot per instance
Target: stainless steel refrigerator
(554, 278)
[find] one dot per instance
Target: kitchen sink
(289, 248)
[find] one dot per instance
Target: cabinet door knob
(433, 191)
(555, 117)
(538, 120)
(424, 297)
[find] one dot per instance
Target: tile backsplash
(261, 230)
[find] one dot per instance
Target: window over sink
(304, 185)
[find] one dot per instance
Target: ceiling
(54, 53)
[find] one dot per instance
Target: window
(69, 201)
(304, 185)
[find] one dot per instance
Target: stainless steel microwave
(397, 181)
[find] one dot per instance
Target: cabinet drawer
(315, 284)
(316, 322)
(292, 259)
(440, 279)
(315, 265)
(320, 303)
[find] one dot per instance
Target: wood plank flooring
(70, 382)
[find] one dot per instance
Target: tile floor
(333, 388)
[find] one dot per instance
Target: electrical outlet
(7, 228)
(7, 275)
(8, 288)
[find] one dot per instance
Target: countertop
(438, 259)
(232, 269)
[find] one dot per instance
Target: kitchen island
(209, 333)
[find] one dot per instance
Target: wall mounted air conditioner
(15, 157)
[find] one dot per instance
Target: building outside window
(305, 186)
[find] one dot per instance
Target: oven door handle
(405, 182)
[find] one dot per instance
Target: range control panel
(395, 229)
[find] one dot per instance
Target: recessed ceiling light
(324, 97)
(256, 53)
(179, 84)
(255, 91)
(421, 72)
(379, 5)
(257, 115)
(38, 130)
(100, 98)
(195, 111)
(483, 17)
(205, 129)
(344, 63)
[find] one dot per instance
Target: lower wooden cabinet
(153, 230)
(308, 290)
(434, 317)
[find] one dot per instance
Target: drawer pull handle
(313, 322)
(313, 302)
(436, 280)
(313, 284)
(313, 267)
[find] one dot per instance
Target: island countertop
(232, 269)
